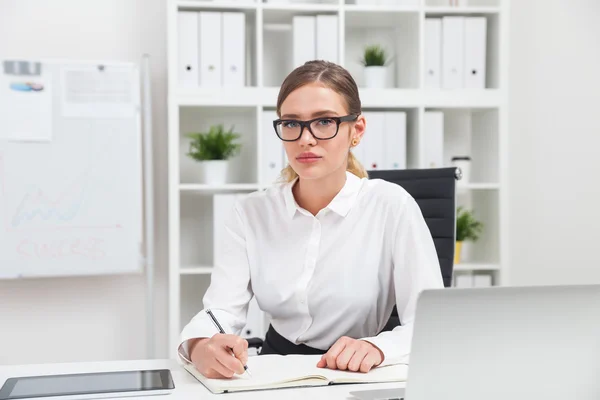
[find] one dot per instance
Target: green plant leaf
(374, 55)
(216, 144)
(467, 226)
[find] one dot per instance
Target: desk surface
(186, 387)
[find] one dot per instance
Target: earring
(354, 142)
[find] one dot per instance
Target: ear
(359, 128)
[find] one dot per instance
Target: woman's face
(310, 157)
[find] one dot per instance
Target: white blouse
(322, 277)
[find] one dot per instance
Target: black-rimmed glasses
(321, 128)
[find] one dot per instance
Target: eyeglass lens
(322, 128)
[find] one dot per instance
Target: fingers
(229, 361)
(217, 371)
(357, 358)
(368, 362)
(240, 350)
(221, 357)
(238, 345)
(345, 356)
(352, 355)
(333, 353)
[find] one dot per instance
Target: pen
(220, 328)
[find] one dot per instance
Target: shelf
(231, 187)
(219, 97)
(466, 267)
(292, 7)
(432, 10)
(197, 270)
(353, 8)
(463, 98)
(188, 5)
(478, 186)
(387, 98)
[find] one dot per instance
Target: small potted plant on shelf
(375, 62)
(212, 150)
(467, 228)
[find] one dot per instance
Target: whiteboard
(70, 169)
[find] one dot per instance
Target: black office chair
(435, 192)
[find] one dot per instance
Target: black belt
(276, 344)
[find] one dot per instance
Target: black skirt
(276, 344)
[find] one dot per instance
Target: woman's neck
(315, 194)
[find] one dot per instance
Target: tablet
(89, 385)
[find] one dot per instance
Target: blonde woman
(327, 253)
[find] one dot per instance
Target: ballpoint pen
(220, 328)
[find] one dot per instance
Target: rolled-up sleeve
(230, 291)
(416, 267)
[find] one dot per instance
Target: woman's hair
(334, 77)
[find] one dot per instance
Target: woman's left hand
(352, 355)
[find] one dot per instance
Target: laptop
(498, 343)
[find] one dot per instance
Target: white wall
(51, 320)
(554, 142)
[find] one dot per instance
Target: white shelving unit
(475, 122)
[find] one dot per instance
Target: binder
(463, 281)
(272, 159)
(234, 48)
(304, 41)
(433, 53)
(187, 31)
(482, 280)
(210, 48)
(475, 52)
(327, 37)
(394, 143)
(453, 52)
(373, 140)
(433, 139)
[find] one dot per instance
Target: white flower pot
(214, 172)
(375, 76)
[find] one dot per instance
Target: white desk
(186, 387)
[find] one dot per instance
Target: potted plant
(467, 228)
(375, 62)
(213, 149)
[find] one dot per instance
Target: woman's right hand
(213, 356)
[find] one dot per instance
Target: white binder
(482, 280)
(475, 52)
(394, 141)
(210, 48)
(272, 150)
(187, 70)
(304, 42)
(433, 140)
(453, 52)
(373, 140)
(433, 53)
(327, 37)
(234, 48)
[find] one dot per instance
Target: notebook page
(388, 373)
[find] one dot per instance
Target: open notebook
(275, 372)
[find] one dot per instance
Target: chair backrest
(434, 190)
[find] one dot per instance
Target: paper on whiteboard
(98, 92)
(25, 101)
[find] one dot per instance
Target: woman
(328, 253)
